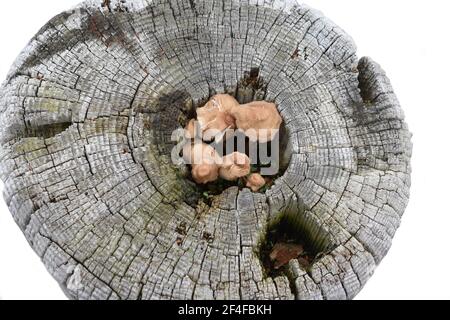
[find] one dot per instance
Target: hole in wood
(294, 234)
(250, 88)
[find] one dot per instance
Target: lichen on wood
(86, 116)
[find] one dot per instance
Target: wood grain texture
(86, 114)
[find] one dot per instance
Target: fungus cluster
(258, 120)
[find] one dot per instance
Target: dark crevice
(107, 4)
(365, 82)
(251, 87)
(293, 234)
(193, 6)
(46, 131)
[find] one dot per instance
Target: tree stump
(87, 113)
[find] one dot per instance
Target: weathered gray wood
(85, 120)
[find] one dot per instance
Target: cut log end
(87, 115)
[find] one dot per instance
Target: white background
(410, 39)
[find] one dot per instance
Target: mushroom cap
(200, 153)
(223, 102)
(204, 173)
(217, 126)
(203, 159)
(234, 166)
(259, 120)
(215, 116)
(255, 181)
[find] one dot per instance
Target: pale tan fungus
(215, 117)
(259, 120)
(234, 166)
(204, 161)
(255, 182)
